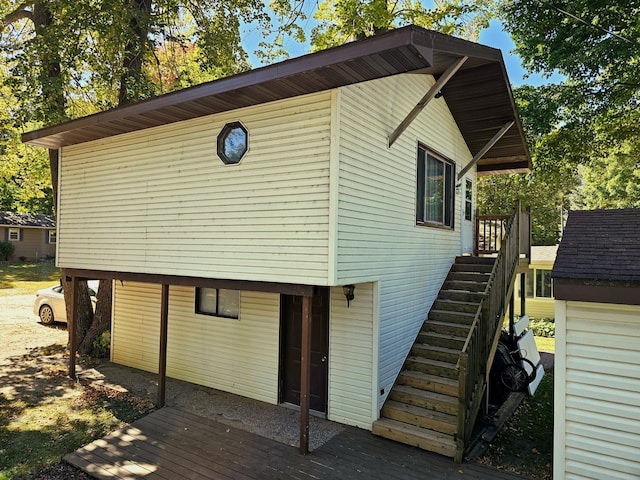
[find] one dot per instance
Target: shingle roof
(600, 245)
(14, 219)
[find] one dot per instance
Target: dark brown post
(512, 306)
(523, 294)
(162, 360)
(72, 323)
(305, 374)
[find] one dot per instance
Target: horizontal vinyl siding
(602, 391)
(238, 356)
(161, 201)
(351, 337)
(377, 236)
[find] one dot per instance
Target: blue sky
(494, 36)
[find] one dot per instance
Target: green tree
(583, 131)
(67, 58)
(342, 21)
(596, 45)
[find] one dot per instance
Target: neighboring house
(538, 284)
(337, 187)
(34, 236)
(597, 360)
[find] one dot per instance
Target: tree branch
(18, 14)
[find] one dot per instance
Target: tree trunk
(54, 110)
(101, 319)
(132, 82)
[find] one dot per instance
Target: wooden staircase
(422, 408)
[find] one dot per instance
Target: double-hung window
(14, 234)
(218, 302)
(435, 190)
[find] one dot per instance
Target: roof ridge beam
(505, 128)
(433, 91)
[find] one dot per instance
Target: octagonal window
(233, 142)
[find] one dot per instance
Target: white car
(49, 304)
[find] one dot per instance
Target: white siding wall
(352, 336)
(377, 237)
(161, 201)
(597, 391)
(238, 356)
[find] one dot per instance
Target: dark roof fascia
(294, 66)
(403, 50)
(597, 291)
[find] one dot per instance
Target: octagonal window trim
(233, 143)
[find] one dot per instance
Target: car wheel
(46, 315)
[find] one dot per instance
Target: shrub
(102, 344)
(6, 250)
(543, 327)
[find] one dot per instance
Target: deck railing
(479, 348)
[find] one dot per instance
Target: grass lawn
(23, 278)
(44, 415)
(546, 344)
(525, 443)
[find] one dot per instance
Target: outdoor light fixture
(348, 293)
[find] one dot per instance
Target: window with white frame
(14, 234)
(539, 283)
(52, 236)
(468, 199)
(435, 190)
(218, 302)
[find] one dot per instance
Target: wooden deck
(173, 444)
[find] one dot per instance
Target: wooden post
(162, 354)
(72, 325)
(305, 374)
(512, 307)
(523, 294)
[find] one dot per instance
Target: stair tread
(444, 323)
(462, 314)
(417, 431)
(435, 363)
(458, 303)
(427, 395)
(436, 348)
(444, 336)
(424, 412)
(431, 378)
(457, 290)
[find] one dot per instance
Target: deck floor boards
(171, 444)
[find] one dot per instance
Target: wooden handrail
(477, 353)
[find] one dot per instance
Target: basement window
(218, 302)
(435, 197)
(233, 143)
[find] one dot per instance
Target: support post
(72, 325)
(523, 294)
(512, 322)
(433, 91)
(305, 374)
(505, 128)
(162, 360)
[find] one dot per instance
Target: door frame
(326, 291)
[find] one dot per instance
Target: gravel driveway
(21, 330)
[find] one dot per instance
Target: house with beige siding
(283, 233)
(33, 235)
(538, 286)
(597, 360)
